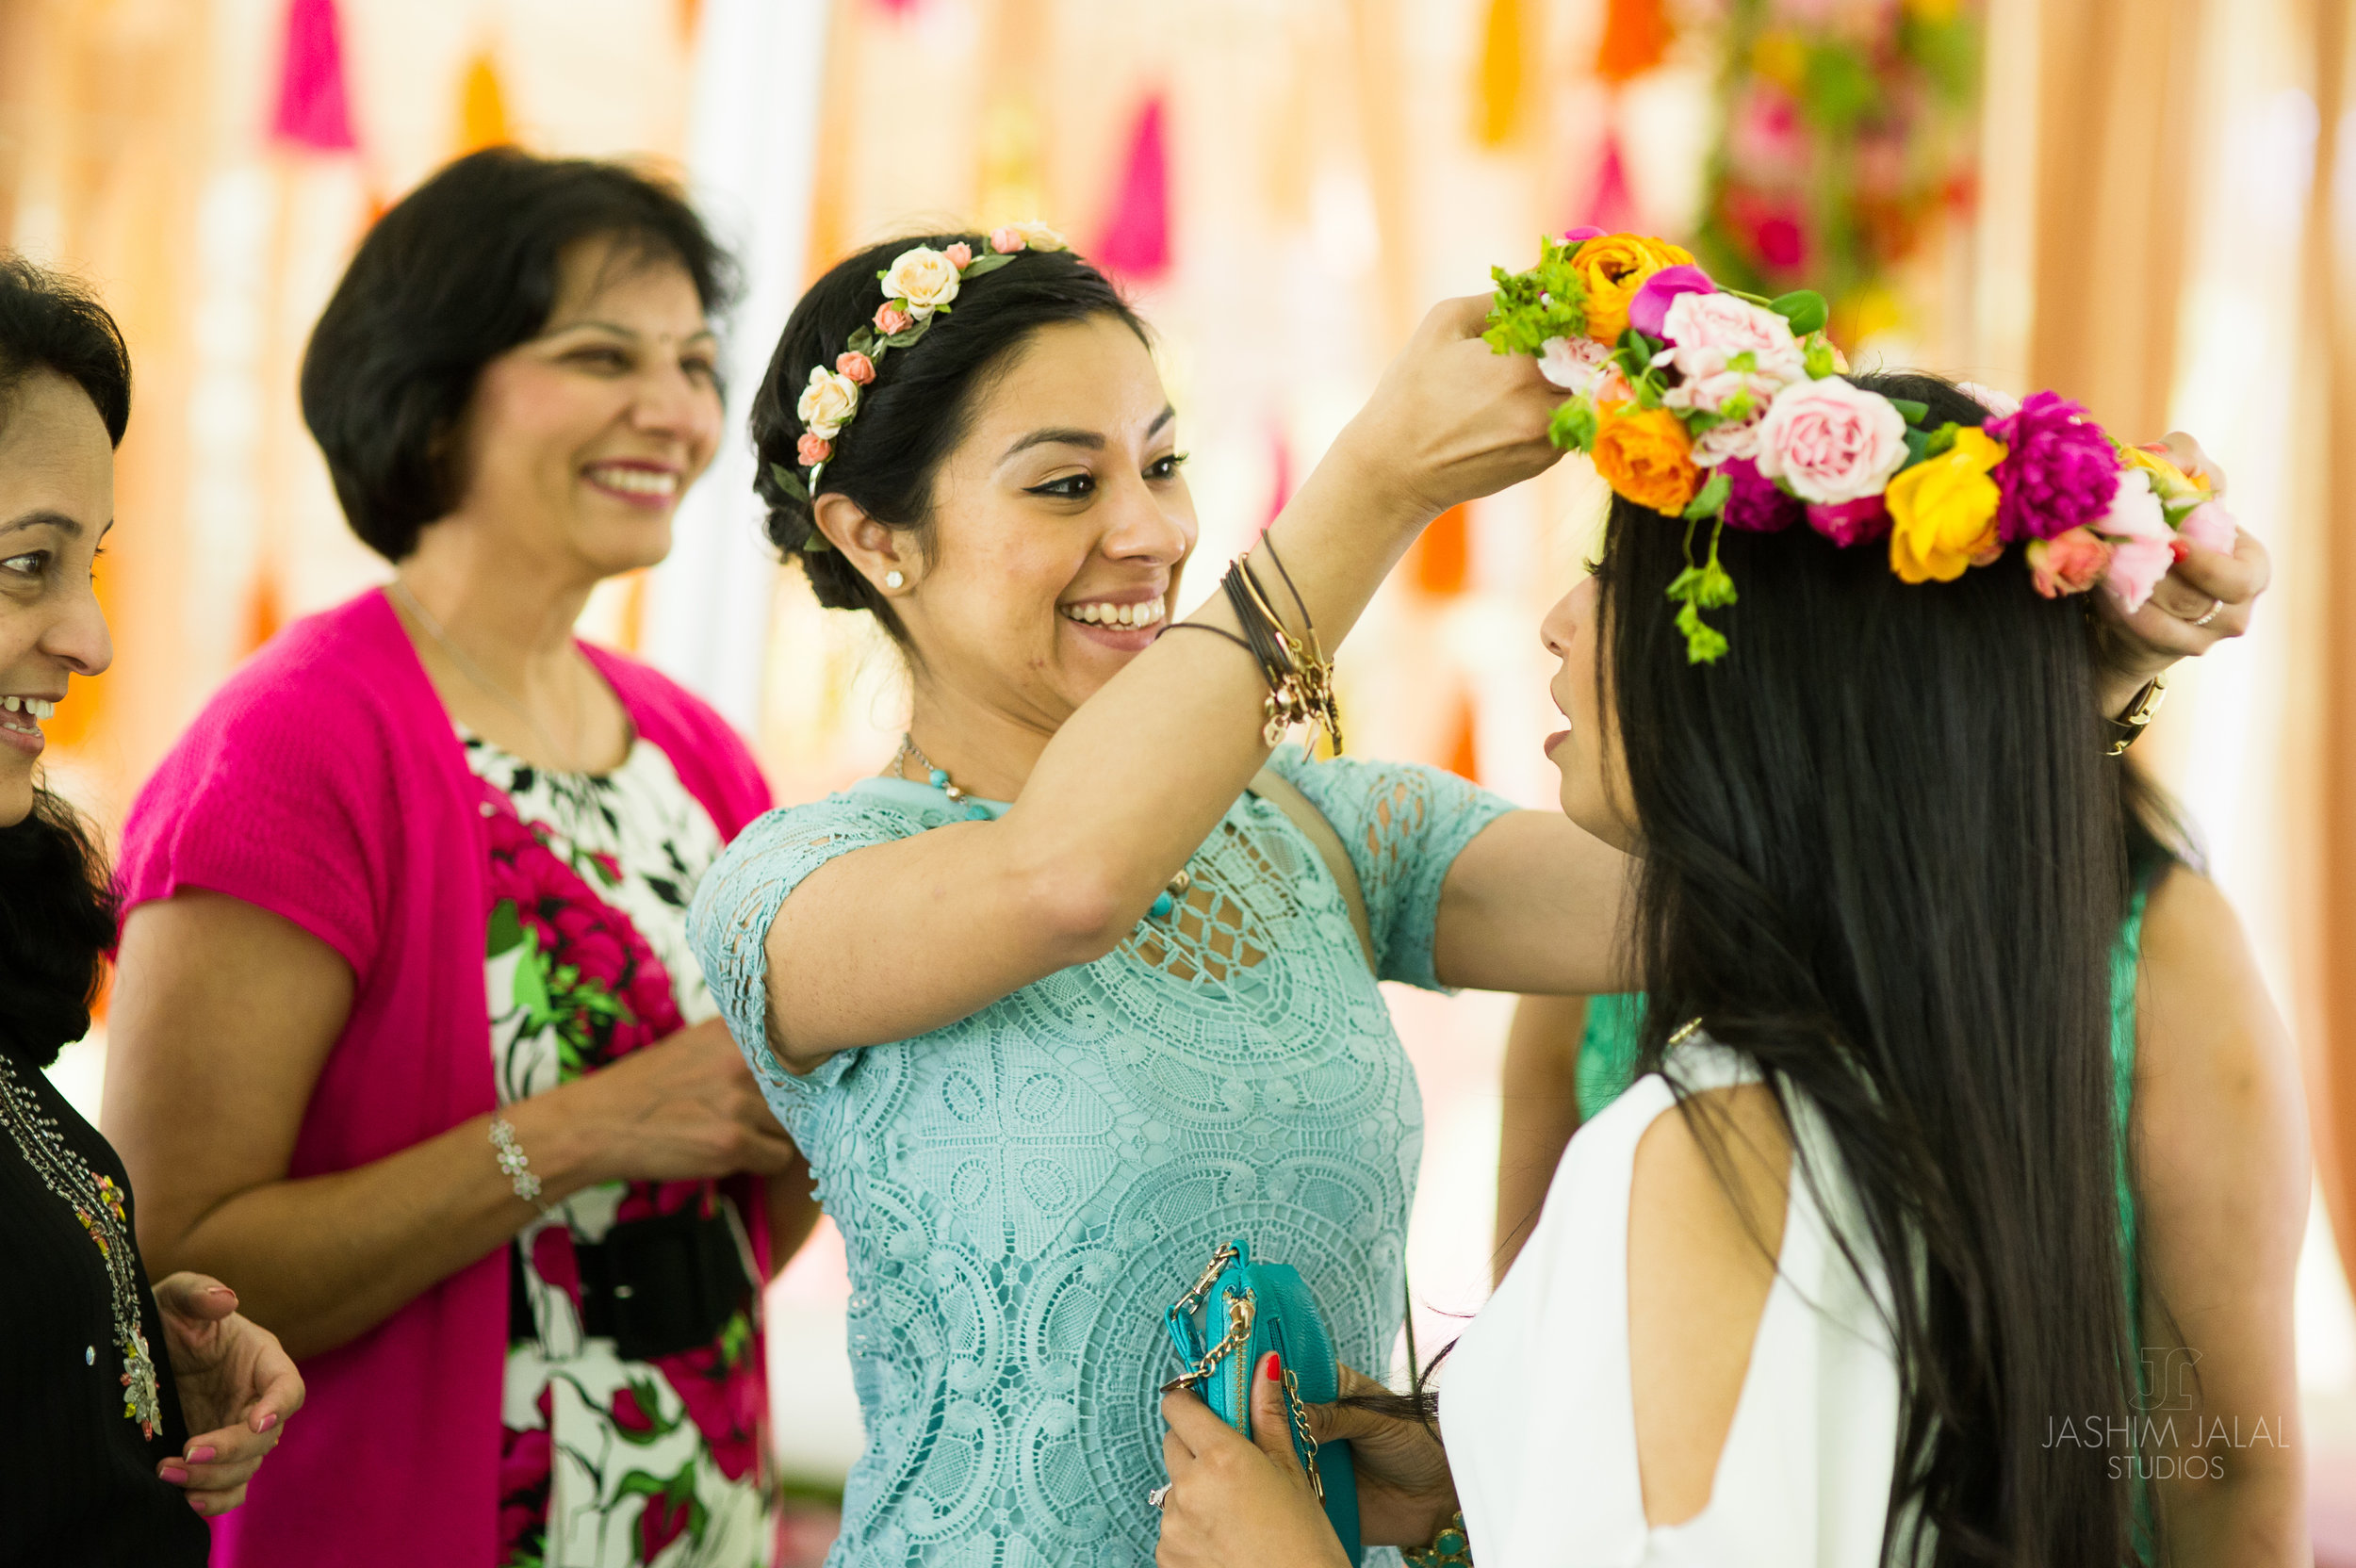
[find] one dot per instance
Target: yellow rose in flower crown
(1614, 266)
(1942, 511)
(2169, 482)
(923, 277)
(1646, 455)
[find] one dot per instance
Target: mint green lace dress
(1024, 1192)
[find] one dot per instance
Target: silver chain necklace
(474, 672)
(97, 1202)
(1163, 902)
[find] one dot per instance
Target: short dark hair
(51, 322)
(458, 271)
(921, 405)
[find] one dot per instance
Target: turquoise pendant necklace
(1163, 902)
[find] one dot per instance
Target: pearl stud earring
(894, 580)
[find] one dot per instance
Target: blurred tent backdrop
(2144, 204)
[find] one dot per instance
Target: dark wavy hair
(57, 905)
(1884, 857)
(921, 403)
(457, 272)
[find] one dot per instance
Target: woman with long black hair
(1837, 1308)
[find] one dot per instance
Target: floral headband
(919, 285)
(1715, 407)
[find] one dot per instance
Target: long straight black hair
(1884, 857)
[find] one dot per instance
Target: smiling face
(1059, 527)
(578, 444)
(57, 499)
(1595, 790)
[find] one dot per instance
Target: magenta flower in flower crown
(1756, 503)
(1650, 309)
(1855, 522)
(2061, 472)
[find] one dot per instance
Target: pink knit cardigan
(324, 783)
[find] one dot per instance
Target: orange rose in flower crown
(1712, 406)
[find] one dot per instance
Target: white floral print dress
(608, 1463)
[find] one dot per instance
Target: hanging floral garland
(1845, 131)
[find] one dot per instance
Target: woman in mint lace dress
(1035, 1106)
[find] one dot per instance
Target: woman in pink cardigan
(406, 1037)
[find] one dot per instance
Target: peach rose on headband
(1612, 267)
(891, 319)
(1645, 455)
(813, 450)
(960, 255)
(2068, 563)
(855, 365)
(1033, 235)
(923, 277)
(827, 402)
(1942, 511)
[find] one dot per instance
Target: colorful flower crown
(1708, 405)
(918, 286)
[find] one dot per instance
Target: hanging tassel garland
(313, 110)
(1137, 240)
(1498, 96)
(1636, 35)
(1612, 207)
(481, 108)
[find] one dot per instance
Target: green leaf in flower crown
(986, 263)
(1918, 447)
(1805, 309)
(1818, 358)
(1710, 501)
(1547, 301)
(1913, 413)
(861, 341)
(1573, 427)
(1940, 440)
(791, 482)
(1704, 643)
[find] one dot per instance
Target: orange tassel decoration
(1636, 35)
(481, 108)
(1498, 96)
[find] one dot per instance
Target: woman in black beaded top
(102, 1377)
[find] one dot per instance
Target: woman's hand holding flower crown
(2140, 645)
(1451, 420)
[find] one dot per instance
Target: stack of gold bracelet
(1299, 676)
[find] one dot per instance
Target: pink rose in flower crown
(891, 319)
(1572, 363)
(1649, 308)
(2060, 472)
(2143, 546)
(813, 450)
(2208, 527)
(961, 255)
(1736, 441)
(1830, 442)
(854, 367)
(2068, 563)
(1707, 331)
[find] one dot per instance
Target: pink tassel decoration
(1137, 241)
(1612, 207)
(313, 110)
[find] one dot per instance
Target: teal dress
(1022, 1193)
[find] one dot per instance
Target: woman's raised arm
(894, 939)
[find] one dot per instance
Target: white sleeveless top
(1537, 1410)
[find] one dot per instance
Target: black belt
(655, 1287)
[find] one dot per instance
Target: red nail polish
(198, 1456)
(1274, 1368)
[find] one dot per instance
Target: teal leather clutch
(1260, 1307)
